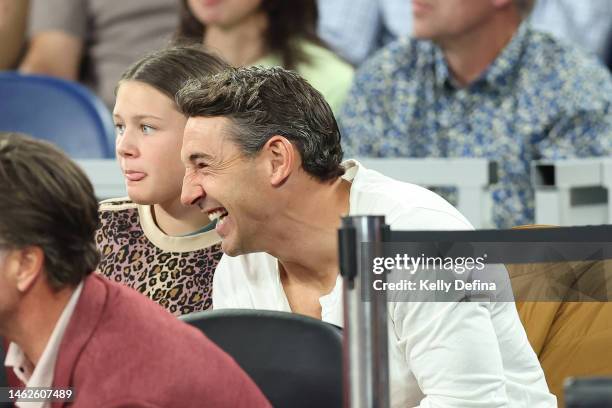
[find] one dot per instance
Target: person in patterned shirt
(150, 241)
(478, 82)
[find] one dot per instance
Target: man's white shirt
(466, 354)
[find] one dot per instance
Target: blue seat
(295, 360)
(61, 112)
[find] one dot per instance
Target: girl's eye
(147, 130)
(119, 129)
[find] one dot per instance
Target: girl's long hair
(288, 22)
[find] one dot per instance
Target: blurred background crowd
(405, 78)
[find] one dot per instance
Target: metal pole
(366, 362)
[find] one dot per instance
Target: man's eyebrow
(196, 156)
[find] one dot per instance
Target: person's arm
(453, 353)
(451, 347)
(57, 30)
(53, 53)
(13, 18)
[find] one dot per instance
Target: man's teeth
(217, 215)
(221, 221)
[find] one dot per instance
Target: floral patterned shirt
(539, 99)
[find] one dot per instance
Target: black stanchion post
(366, 362)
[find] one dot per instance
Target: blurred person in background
(356, 29)
(269, 33)
(149, 241)
(477, 82)
(69, 327)
(94, 41)
(608, 54)
(13, 20)
(587, 24)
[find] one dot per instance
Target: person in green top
(269, 33)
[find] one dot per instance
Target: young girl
(270, 33)
(150, 241)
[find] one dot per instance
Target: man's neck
(470, 54)
(36, 319)
(307, 247)
(242, 44)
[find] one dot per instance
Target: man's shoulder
(404, 205)
(567, 74)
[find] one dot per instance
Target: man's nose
(192, 194)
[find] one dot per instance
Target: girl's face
(223, 13)
(149, 131)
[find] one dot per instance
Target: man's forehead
(200, 126)
(204, 137)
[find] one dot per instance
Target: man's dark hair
(263, 102)
(47, 201)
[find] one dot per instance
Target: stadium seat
(295, 360)
(62, 112)
(3, 379)
(590, 392)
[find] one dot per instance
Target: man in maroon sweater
(69, 329)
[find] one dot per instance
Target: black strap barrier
(522, 246)
(599, 233)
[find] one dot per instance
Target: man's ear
(281, 157)
(30, 261)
